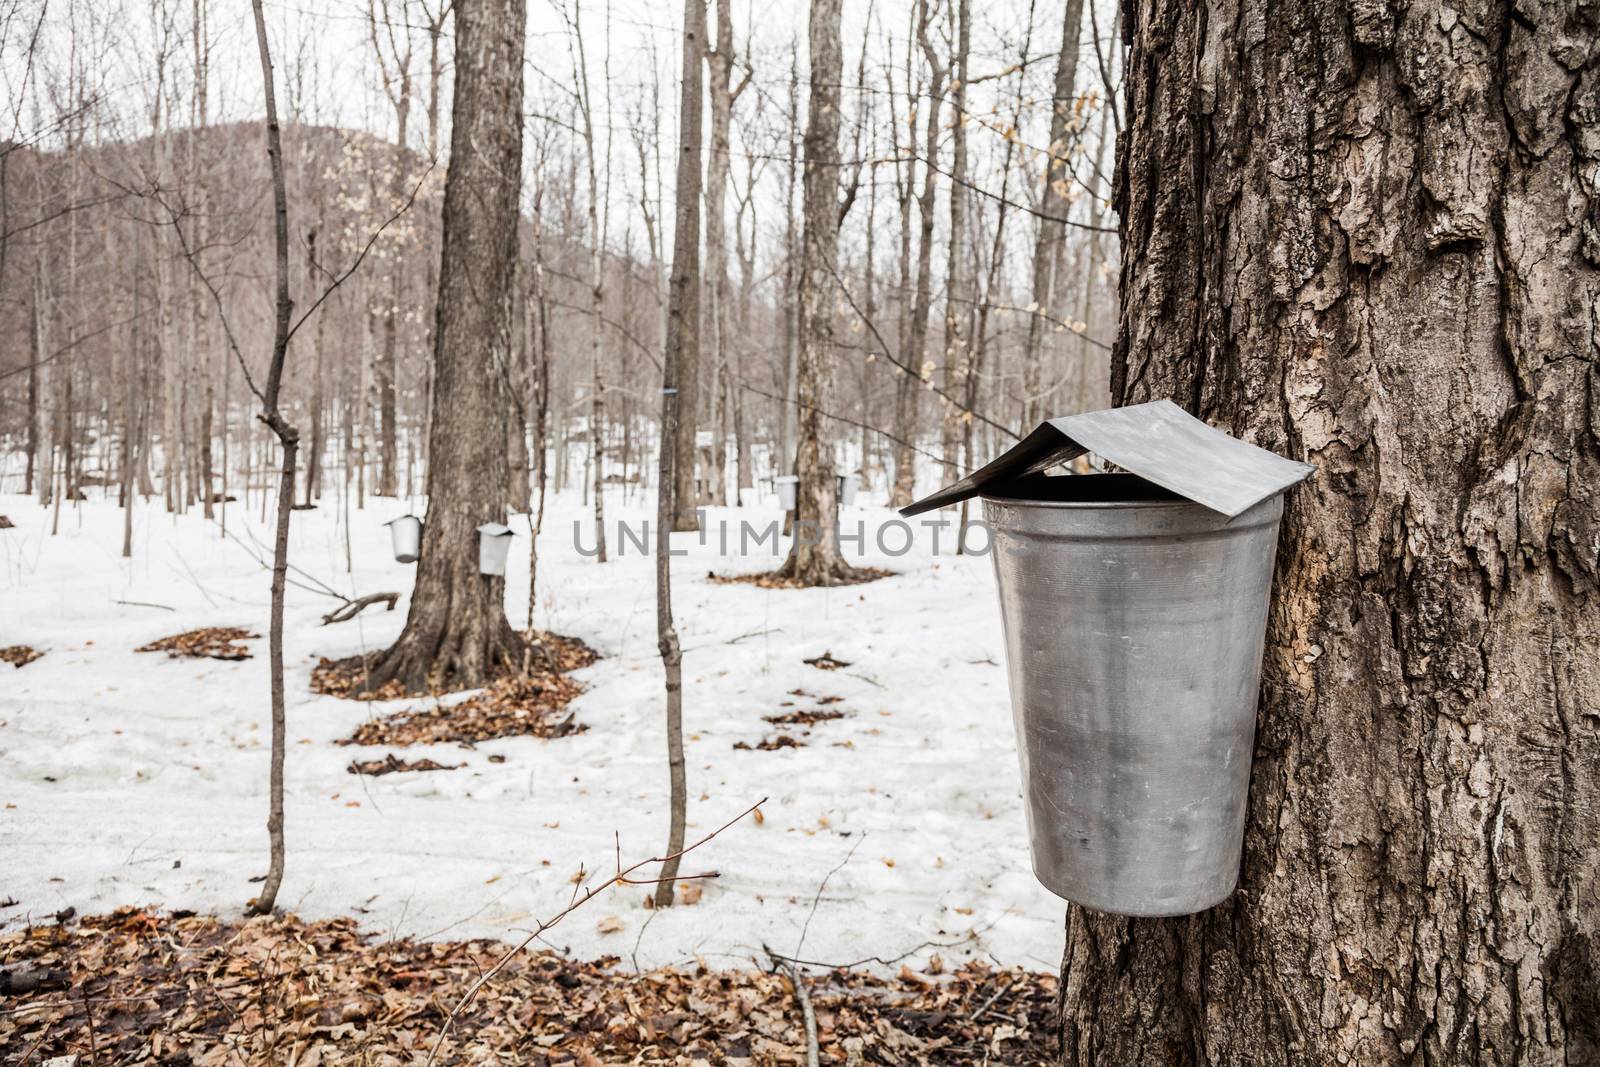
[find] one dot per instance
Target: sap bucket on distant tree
(847, 489)
(1135, 609)
(406, 535)
(786, 489)
(494, 544)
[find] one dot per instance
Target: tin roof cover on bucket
(1158, 441)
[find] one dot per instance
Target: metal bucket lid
(1158, 441)
(495, 529)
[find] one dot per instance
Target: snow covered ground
(138, 779)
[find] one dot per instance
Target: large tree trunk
(456, 633)
(814, 557)
(1369, 240)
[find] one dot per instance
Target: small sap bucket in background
(1135, 609)
(786, 484)
(847, 489)
(494, 544)
(406, 535)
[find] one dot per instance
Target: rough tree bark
(456, 633)
(1370, 238)
(814, 557)
(683, 339)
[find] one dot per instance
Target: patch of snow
(134, 778)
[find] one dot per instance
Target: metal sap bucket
(494, 544)
(405, 533)
(847, 489)
(1134, 608)
(786, 484)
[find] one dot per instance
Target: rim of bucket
(1045, 491)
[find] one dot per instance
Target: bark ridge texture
(1366, 234)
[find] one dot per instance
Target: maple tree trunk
(1368, 239)
(814, 557)
(456, 633)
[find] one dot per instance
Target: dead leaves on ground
(800, 717)
(343, 677)
(512, 707)
(391, 763)
(19, 656)
(211, 642)
(195, 990)
(529, 705)
(825, 662)
(772, 580)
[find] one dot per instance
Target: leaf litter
(19, 656)
(139, 986)
(521, 705)
(771, 580)
(210, 642)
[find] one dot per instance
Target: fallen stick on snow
(355, 607)
(797, 980)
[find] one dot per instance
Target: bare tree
(914, 341)
(1053, 207)
(688, 382)
(289, 443)
(599, 215)
(958, 270)
(456, 632)
(814, 557)
(683, 323)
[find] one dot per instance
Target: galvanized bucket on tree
(847, 489)
(1134, 607)
(786, 484)
(494, 544)
(405, 533)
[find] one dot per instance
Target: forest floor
(873, 718)
(138, 986)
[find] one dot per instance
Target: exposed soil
(825, 662)
(182, 989)
(211, 642)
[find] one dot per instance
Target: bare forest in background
(977, 268)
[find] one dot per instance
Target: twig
(621, 878)
(912, 951)
(798, 981)
(824, 884)
(144, 604)
(986, 1005)
(355, 607)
